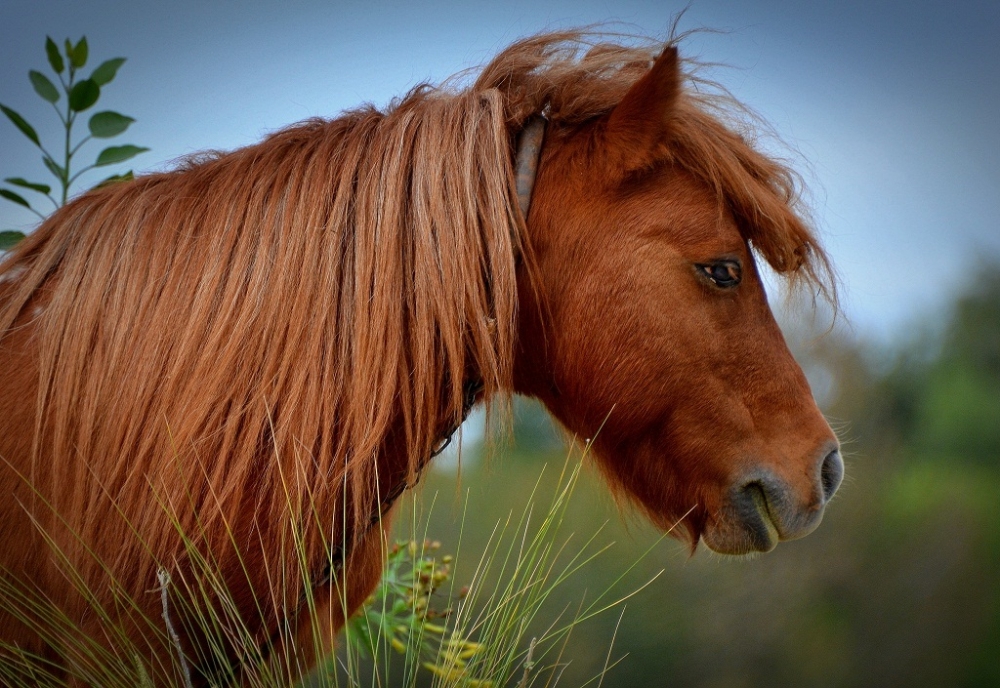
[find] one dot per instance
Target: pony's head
(644, 322)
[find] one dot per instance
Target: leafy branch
(77, 96)
(398, 612)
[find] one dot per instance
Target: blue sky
(892, 106)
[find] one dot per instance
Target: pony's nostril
(831, 474)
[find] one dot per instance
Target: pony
(243, 361)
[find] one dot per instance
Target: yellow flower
(457, 675)
(447, 673)
(470, 652)
(452, 660)
(459, 644)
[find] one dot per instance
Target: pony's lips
(759, 514)
(764, 533)
(746, 525)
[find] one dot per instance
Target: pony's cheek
(615, 361)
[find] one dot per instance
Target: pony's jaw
(732, 502)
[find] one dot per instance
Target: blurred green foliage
(900, 586)
(942, 396)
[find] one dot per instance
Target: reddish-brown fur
(252, 349)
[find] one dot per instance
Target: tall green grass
(475, 620)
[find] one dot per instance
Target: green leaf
(55, 59)
(107, 71)
(9, 239)
(14, 198)
(25, 184)
(54, 168)
(116, 154)
(43, 86)
(21, 124)
(104, 125)
(84, 94)
(78, 54)
(115, 178)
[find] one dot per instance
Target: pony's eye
(723, 273)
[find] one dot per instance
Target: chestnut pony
(238, 361)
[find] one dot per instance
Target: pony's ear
(639, 127)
